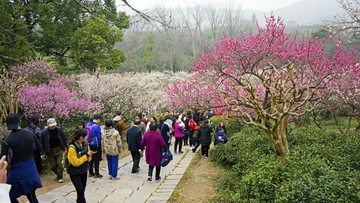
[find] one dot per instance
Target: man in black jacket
(133, 138)
(54, 143)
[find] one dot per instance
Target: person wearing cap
(119, 124)
(18, 147)
(54, 143)
(133, 138)
(95, 145)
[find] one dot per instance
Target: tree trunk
(279, 140)
(337, 122)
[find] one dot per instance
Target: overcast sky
(263, 5)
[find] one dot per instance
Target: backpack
(89, 134)
(192, 123)
(65, 161)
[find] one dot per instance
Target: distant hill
(304, 12)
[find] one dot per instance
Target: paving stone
(160, 196)
(163, 190)
(155, 201)
(174, 177)
(179, 171)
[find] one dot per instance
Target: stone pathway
(130, 187)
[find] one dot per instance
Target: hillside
(304, 12)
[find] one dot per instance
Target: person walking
(34, 127)
(148, 124)
(205, 138)
(133, 138)
(79, 155)
(18, 147)
(111, 145)
(153, 143)
(164, 130)
(54, 142)
(95, 145)
(119, 124)
(178, 135)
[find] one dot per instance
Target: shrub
(322, 167)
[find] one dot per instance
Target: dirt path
(198, 182)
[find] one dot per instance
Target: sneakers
(115, 178)
(158, 179)
(110, 177)
(174, 152)
(61, 181)
(149, 178)
(91, 175)
(181, 152)
(98, 176)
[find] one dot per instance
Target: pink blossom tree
(54, 100)
(264, 79)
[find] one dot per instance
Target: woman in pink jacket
(179, 134)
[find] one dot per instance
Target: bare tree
(167, 30)
(188, 25)
(232, 19)
(198, 14)
(215, 17)
(9, 93)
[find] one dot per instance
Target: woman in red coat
(153, 143)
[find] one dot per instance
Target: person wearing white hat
(54, 143)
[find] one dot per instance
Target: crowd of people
(26, 149)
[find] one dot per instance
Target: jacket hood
(117, 119)
(109, 132)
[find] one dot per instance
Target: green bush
(233, 126)
(322, 167)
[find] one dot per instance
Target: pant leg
(91, 163)
(32, 197)
(151, 168)
(80, 189)
(180, 143)
(136, 160)
(109, 160)
(52, 161)
(115, 164)
(38, 163)
(157, 174)
(176, 143)
(59, 168)
(83, 180)
(206, 150)
(97, 159)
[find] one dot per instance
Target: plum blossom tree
(130, 93)
(264, 79)
(53, 100)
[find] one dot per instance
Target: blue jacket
(96, 131)
(133, 138)
(220, 138)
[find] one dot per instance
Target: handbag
(166, 158)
